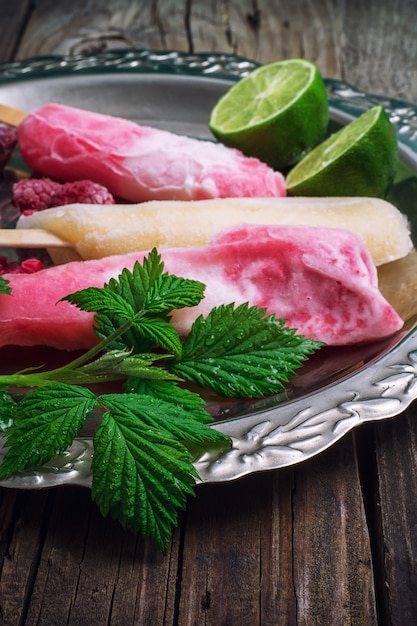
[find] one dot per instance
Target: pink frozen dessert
(138, 163)
(321, 280)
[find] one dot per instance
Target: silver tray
(176, 91)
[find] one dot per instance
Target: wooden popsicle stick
(31, 238)
(11, 116)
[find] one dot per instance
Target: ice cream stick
(11, 116)
(31, 238)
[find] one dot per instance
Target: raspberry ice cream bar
(321, 280)
(97, 231)
(138, 163)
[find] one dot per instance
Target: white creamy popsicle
(138, 163)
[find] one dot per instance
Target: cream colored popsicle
(97, 231)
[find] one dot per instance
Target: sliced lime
(276, 113)
(358, 160)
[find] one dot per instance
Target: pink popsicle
(139, 163)
(321, 280)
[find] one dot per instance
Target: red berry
(36, 194)
(8, 141)
(33, 194)
(3, 265)
(28, 266)
(81, 191)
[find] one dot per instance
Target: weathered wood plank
(287, 558)
(13, 16)
(240, 543)
(333, 574)
(339, 37)
(396, 454)
(237, 556)
(269, 30)
(79, 27)
(374, 56)
(91, 571)
(22, 528)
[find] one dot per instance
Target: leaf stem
(90, 354)
(63, 373)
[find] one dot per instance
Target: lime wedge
(277, 113)
(361, 159)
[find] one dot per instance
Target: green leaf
(140, 281)
(101, 300)
(144, 296)
(4, 286)
(131, 340)
(46, 422)
(161, 333)
(122, 299)
(122, 363)
(170, 392)
(141, 476)
(171, 292)
(7, 407)
(133, 286)
(164, 416)
(240, 352)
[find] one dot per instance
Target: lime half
(277, 113)
(361, 159)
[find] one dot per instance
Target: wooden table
(332, 541)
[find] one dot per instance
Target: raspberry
(36, 194)
(83, 191)
(33, 194)
(28, 266)
(8, 141)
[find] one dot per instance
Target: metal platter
(333, 394)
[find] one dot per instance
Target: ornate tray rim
(296, 430)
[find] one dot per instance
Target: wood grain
(96, 25)
(396, 455)
(238, 553)
(11, 116)
(246, 553)
(340, 37)
(63, 563)
(30, 238)
(333, 571)
(13, 18)
(22, 531)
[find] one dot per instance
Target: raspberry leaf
(240, 352)
(7, 407)
(163, 416)
(171, 292)
(170, 392)
(4, 286)
(104, 301)
(141, 475)
(45, 424)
